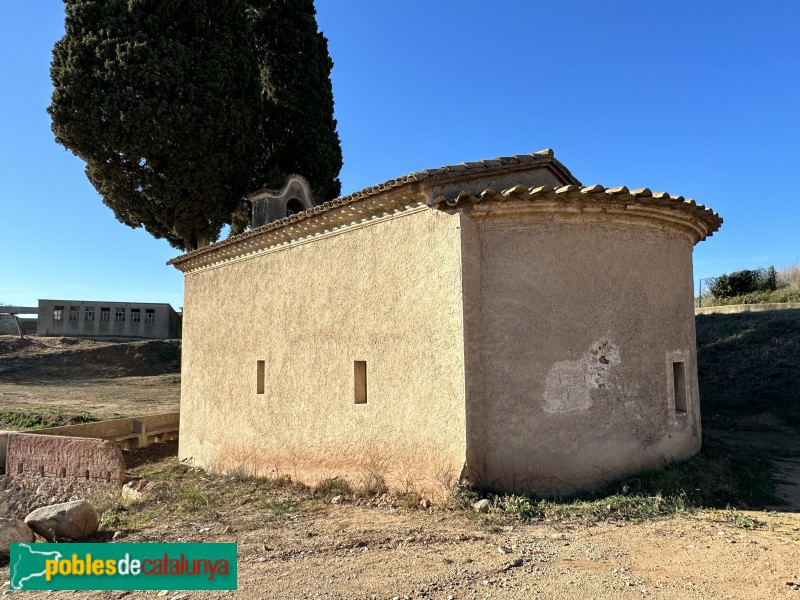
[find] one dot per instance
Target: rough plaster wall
(578, 326)
(388, 293)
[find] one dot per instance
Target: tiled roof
(482, 169)
(594, 193)
(459, 171)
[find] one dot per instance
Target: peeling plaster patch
(569, 382)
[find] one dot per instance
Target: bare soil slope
(57, 381)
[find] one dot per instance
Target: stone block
(31, 456)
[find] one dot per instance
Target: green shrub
(743, 282)
(15, 419)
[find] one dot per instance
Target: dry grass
(789, 277)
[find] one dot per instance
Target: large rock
(11, 532)
(73, 520)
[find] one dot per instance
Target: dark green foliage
(299, 134)
(160, 99)
(17, 419)
(180, 107)
(749, 363)
(743, 282)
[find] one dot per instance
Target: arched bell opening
(294, 206)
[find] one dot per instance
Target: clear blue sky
(694, 98)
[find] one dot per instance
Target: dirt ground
(293, 546)
(61, 379)
(317, 549)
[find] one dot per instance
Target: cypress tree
(160, 98)
(299, 131)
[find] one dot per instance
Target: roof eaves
(641, 196)
(455, 172)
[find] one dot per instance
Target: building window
(58, 313)
(88, 313)
(360, 381)
(135, 315)
(679, 387)
(74, 313)
(105, 313)
(119, 315)
(260, 377)
(150, 315)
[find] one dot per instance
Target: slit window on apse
(679, 383)
(360, 381)
(259, 377)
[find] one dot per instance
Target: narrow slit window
(259, 377)
(679, 386)
(360, 379)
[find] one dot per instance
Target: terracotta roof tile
(641, 196)
(500, 164)
(542, 157)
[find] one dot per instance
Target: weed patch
(14, 419)
(372, 483)
(276, 506)
(336, 486)
(719, 477)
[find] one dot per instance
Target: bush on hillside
(744, 282)
(765, 285)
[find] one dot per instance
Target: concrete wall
(8, 326)
(165, 324)
(572, 328)
(731, 309)
(388, 293)
(127, 434)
